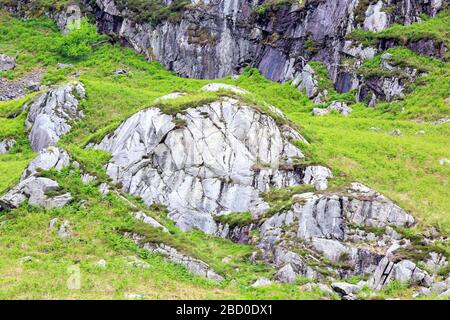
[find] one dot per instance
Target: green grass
(405, 168)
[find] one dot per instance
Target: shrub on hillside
(78, 42)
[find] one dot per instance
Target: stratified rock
(6, 145)
(50, 114)
(218, 162)
(37, 190)
(7, 63)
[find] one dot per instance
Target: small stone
(34, 86)
(134, 296)
(103, 188)
(261, 282)
(52, 223)
(121, 72)
(25, 259)
(64, 230)
(396, 132)
(63, 65)
(444, 162)
(101, 263)
(420, 132)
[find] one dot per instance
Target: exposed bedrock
(37, 190)
(51, 114)
(328, 233)
(210, 160)
(214, 38)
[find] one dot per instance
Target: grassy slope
(405, 168)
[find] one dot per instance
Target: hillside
(198, 181)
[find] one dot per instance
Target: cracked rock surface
(50, 114)
(217, 162)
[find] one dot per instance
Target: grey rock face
(50, 114)
(6, 145)
(70, 18)
(218, 161)
(317, 176)
(7, 63)
(215, 39)
(323, 226)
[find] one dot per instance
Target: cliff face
(215, 38)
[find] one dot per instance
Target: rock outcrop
(193, 265)
(211, 39)
(326, 231)
(39, 191)
(210, 160)
(50, 115)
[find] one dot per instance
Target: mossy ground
(406, 168)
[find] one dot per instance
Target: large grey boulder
(35, 190)
(216, 160)
(39, 191)
(50, 114)
(47, 159)
(7, 63)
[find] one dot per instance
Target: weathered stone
(7, 63)
(218, 162)
(317, 176)
(101, 263)
(64, 230)
(47, 159)
(286, 274)
(35, 190)
(50, 114)
(345, 289)
(6, 145)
